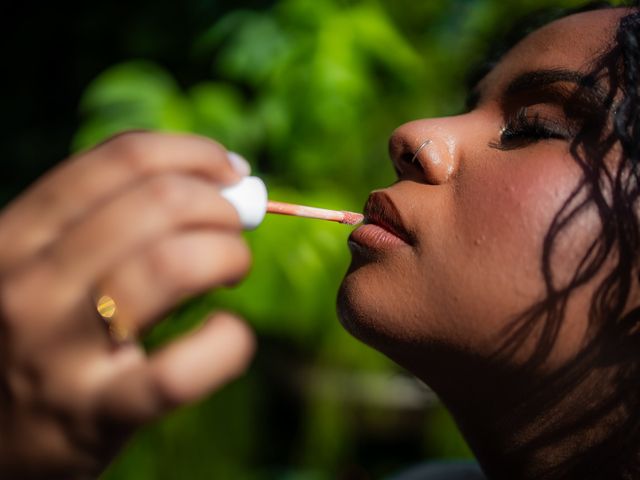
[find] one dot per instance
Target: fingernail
(239, 164)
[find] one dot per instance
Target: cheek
(503, 213)
(506, 208)
(519, 192)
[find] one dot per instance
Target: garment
(454, 470)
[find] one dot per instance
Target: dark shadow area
(52, 51)
(601, 381)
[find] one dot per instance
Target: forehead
(572, 42)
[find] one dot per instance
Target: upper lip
(380, 210)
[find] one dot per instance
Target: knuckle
(186, 274)
(169, 192)
(131, 148)
(16, 310)
(165, 261)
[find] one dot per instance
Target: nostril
(406, 165)
(408, 158)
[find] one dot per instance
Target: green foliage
(309, 90)
(135, 95)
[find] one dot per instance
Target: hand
(138, 218)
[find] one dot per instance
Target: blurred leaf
(132, 95)
(220, 112)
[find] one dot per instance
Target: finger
(79, 184)
(162, 206)
(147, 285)
(181, 372)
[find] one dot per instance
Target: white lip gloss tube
(249, 198)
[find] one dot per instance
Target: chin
(353, 315)
(358, 308)
(367, 309)
(383, 311)
(368, 315)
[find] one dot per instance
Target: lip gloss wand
(340, 216)
(249, 197)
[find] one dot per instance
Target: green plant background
(309, 91)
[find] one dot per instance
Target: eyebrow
(540, 79)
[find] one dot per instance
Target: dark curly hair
(612, 189)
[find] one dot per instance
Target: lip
(383, 227)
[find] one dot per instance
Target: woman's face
(472, 208)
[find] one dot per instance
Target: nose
(425, 150)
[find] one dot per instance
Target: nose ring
(419, 149)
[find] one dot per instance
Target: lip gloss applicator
(249, 198)
(340, 216)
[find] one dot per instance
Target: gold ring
(108, 310)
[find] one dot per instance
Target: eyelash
(522, 130)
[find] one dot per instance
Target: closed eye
(524, 128)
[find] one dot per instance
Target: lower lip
(375, 237)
